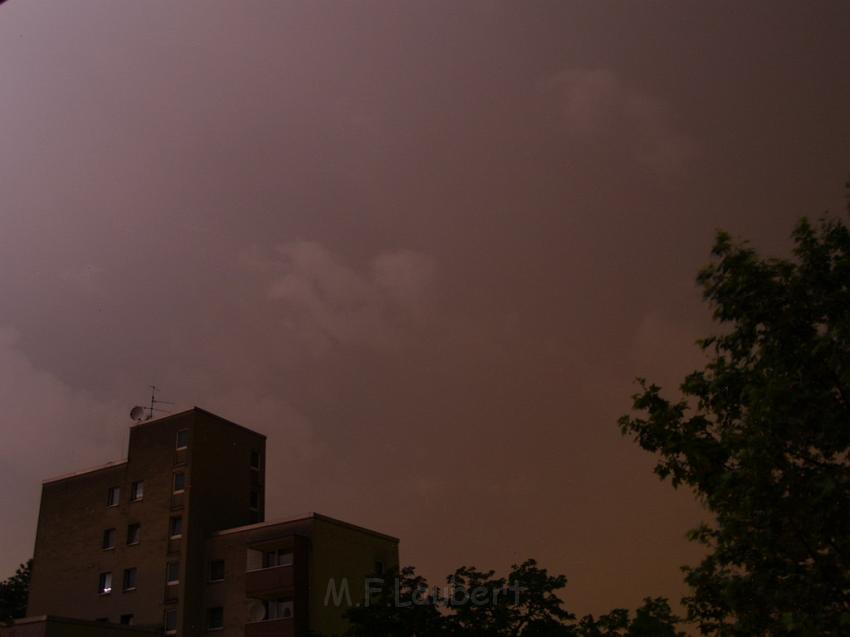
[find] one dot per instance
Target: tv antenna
(138, 414)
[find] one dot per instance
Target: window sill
(134, 543)
(178, 491)
(215, 630)
(129, 590)
(108, 548)
(215, 581)
(137, 500)
(174, 583)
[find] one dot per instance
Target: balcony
(271, 628)
(268, 581)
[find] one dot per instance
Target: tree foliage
(14, 593)
(475, 603)
(762, 436)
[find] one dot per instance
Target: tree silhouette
(14, 593)
(762, 436)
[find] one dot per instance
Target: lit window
(137, 491)
(127, 619)
(215, 618)
(170, 621)
(254, 501)
(104, 586)
(113, 495)
(130, 576)
(108, 539)
(172, 573)
(134, 533)
(179, 482)
(255, 459)
(182, 438)
(216, 570)
(175, 527)
(278, 608)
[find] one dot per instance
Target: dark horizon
(424, 248)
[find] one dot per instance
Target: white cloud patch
(597, 105)
(327, 302)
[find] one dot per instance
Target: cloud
(597, 106)
(41, 413)
(327, 302)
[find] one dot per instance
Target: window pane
(137, 490)
(172, 572)
(109, 538)
(171, 620)
(255, 459)
(129, 579)
(127, 620)
(176, 526)
(134, 533)
(182, 438)
(217, 570)
(179, 481)
(105, 583)
(215, 617)
(112, 496)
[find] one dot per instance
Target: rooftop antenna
(138, 414)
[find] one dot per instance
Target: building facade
(174, 539)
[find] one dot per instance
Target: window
(104, 586)
(127, 619)
(170, 621)
(175, 527)
(255, 459)
(379, 567)
(216, 570)
(179, 482)
(130, 577)
(134, 533)
(278, 608)
(277, 558)
(254, 500)
(113, 495)
(172, 573)
(215, 618)
(108, 539)
(137, 491)
(182, 438)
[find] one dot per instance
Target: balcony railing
(267, 581)
(271, 627)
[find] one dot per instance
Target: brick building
(173, 539)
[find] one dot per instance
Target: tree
(476, 603)
(14, 593)
(653, 619)
(762, 436)
(402, 606)
(524, 604)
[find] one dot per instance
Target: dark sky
(425, 247)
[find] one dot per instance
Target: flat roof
(75, 474)
(299, 518)
(196, 409)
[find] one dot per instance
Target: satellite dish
(137, 413)
(256, 611)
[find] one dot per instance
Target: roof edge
(300, 518)
(82, 472)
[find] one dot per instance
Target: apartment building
(174, 539)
